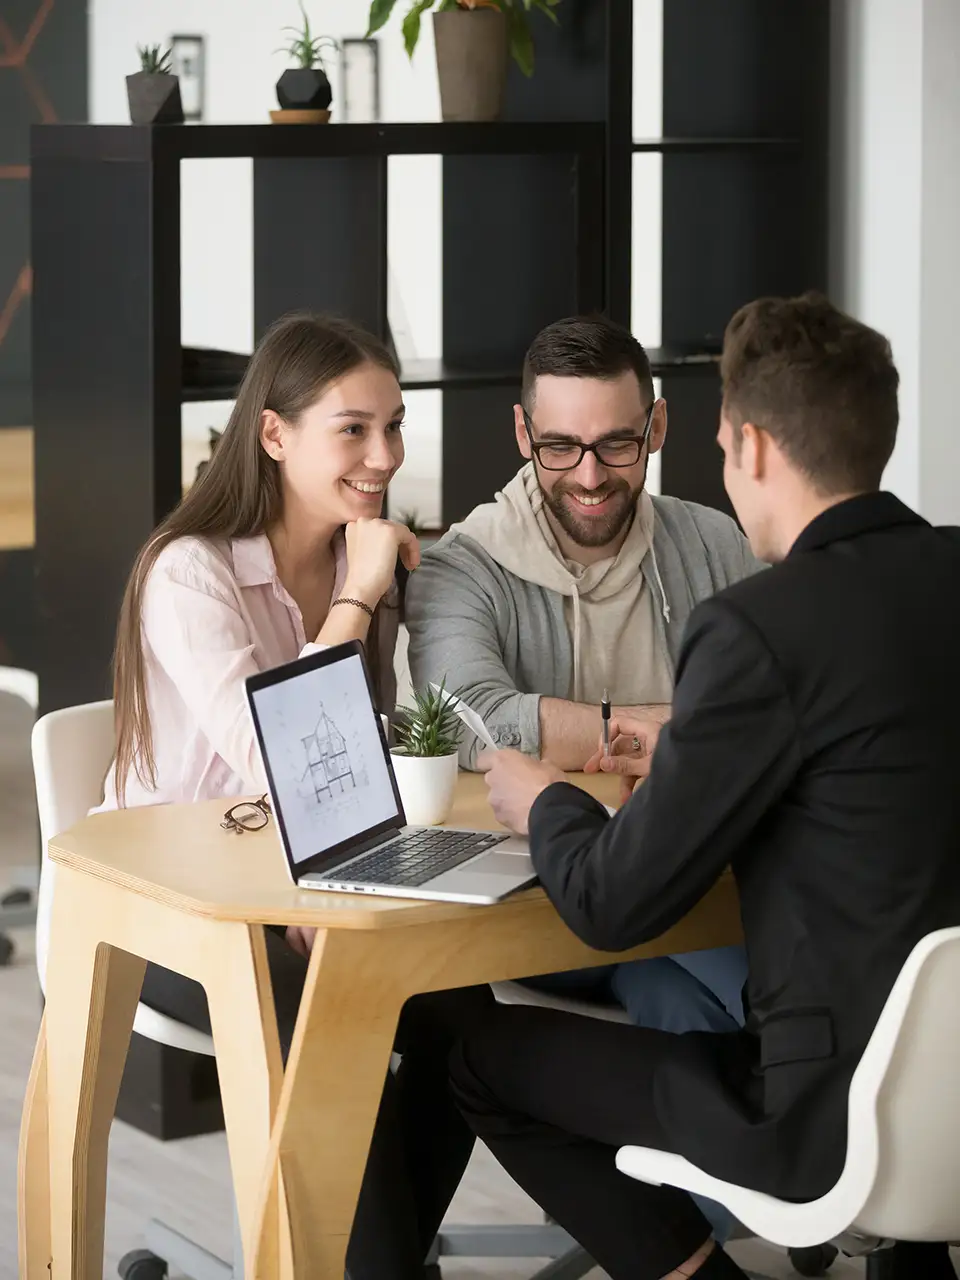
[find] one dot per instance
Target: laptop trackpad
(491, 876)
(494, 863)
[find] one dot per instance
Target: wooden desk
(167, 884)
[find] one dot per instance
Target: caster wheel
(815, 1261)
(6, 950)
(16, 898)
(141, 1264)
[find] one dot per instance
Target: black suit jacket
(815, 748)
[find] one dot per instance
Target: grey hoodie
(504, 640)
(608, 605)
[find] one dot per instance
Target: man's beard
(592, 531)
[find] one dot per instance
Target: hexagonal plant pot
(304, 89)
(154, 99)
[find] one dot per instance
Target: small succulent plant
(304, 47)
(154, 59)
(431, 727)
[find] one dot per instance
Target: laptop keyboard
(415, 859)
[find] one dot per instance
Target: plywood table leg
(33, 1172)
(92, 994)
(331, 1092)
(250, 1070)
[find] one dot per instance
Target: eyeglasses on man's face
(566, 455)
(249, 815)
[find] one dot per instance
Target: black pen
(605, 716)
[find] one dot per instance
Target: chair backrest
(72, 750)
(903, 1142)
(22, 684)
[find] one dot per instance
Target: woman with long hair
(278, 546)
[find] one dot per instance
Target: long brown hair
(238, 495)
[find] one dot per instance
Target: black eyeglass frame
(231, 822)
(538, 445)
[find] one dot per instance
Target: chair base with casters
(168, 1250)
(902, 1164)
(17, 911)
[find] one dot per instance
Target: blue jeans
(692, 991)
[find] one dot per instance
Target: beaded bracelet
(359, 604)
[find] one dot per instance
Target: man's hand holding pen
(626, 747)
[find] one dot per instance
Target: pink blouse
(214, 613)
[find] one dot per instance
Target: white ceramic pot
(427, 786)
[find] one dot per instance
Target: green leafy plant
(154, 59)
(516, 12)
(431, 727)
(304, 47)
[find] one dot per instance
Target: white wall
(939, 463)
(646, 285)
(896, 210)
(242, 68)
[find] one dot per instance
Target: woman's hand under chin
(372, 550)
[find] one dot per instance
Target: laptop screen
(324, 752)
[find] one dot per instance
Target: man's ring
(636, 743)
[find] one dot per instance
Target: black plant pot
(304, 89)
(154, 99)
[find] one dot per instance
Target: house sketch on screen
(328, 760)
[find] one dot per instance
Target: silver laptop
(335, 797)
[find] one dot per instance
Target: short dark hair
(823, 385)
(584, 347)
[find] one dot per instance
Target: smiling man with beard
(575, 580)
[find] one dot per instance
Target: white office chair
(902, 1169)
(17, 907)
(72, 750)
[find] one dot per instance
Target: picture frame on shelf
(360, 80)
(188, 63)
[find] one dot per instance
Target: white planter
(427, 786)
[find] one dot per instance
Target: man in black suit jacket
(814, 747)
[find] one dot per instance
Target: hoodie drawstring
(576, 643)
(664, 605)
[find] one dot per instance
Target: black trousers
(554, 1095)
(421, 1143)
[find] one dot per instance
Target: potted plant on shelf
(153, 92)
(426, 760)
(303, 90)
(473, 39)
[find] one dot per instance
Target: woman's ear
(272, 434)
